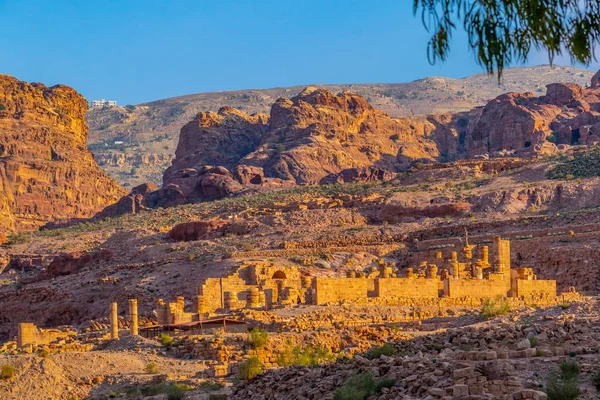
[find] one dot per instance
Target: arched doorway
(279, 275)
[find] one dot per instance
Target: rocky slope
(150, 131)
(46, 171)
(320, 137)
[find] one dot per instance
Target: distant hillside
(150, 131)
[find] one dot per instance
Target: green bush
(7, 372)
(250, 368)
(533, 340)
(307, 356)
(211, 386)
(597, 380)
(562, 389)
(361, 386)
(580, 165)
(258, 338)
(174, 391)
(563, 383)
(384, 350)
(166, 340)
(570, 369)
(495, 307)
(2, 107)
(151, 368)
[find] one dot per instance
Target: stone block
(460, 391)
(467, 372)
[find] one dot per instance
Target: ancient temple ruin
(457, 276)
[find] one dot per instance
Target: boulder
(197, 230)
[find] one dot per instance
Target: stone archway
(279, 275)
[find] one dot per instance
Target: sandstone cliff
(46, 171)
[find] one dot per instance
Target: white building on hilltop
(103, 103)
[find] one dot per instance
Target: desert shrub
(495, 307)
(565, 305)
(166, 340)
(217, 397)
(358, 387)
(384, 383)
(151, 368)
(250, 368)
(7, 371)
(2, 107)
(395, 137)
(563, 383)
(211, 386)
(44, 353)
(308, 356)
(174, 391)
(558, 388)
(597, 380)
(580, 165)
(384, 350)
(553, 137)
(258, 338)
(533, 340)
(570, 369)
(361, 386)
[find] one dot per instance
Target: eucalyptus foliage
(502, 32)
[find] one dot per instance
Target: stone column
(114, 321)
(438, 254)
(432, 272)
(133, 315)
(351, 274)
(253, 298)
(454, 256)
(455, 271)
(478, 272)
(486, 255)
(230, 301)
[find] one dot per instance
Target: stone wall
(30, 335)
(477, 288)
(405, 287)
(528, 288)
(331, 290)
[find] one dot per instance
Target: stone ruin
(465, 280)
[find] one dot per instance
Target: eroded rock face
(133, 203)
(367, 174)
(46, 172)
(190, 231)
(318, 133)
(524, 123)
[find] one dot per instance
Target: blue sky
(142, 50)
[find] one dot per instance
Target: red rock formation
(46, 172)
(190, 231)
(318, 133)
(133, 203)
(394, 213)
(368, 174)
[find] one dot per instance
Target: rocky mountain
(46, 171)
(150, 131)
(319, 137)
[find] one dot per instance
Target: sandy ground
(94, 374)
